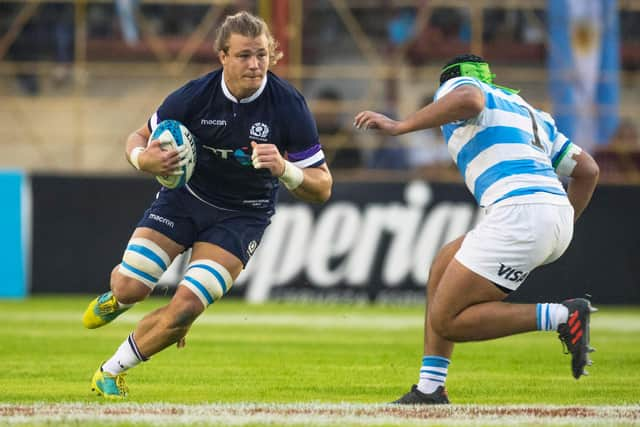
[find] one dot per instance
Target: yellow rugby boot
(109, 386)
(102, 310)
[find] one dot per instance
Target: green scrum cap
(478, 70)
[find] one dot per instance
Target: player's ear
(222, 56)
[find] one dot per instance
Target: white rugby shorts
(512, 240)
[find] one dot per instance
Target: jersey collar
(251, 98)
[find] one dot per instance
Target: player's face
(245, 64)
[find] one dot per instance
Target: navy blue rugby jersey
(224, 128)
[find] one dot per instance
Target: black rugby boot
(416, 397)
(575, 334)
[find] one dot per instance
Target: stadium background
(77, 76)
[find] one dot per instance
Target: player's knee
(437, 323)
(128, 290)
(442, 324)
(208, 280)
(445, 330)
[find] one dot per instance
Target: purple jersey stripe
(301, 155)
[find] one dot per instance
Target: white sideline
(315, 414)
(599, 321)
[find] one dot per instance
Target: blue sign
(15, 225)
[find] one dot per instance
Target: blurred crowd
(117, 30)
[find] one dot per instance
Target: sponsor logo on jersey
(259, 131)
(242, 155)
(213, 122)
(161, 220)
(512, 274)
(223, 153)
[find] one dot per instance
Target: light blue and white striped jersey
(502, 153)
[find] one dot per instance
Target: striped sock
(127, 356)
(549, 316)
(433, 373)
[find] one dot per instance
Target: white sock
(127, 356)
(549, 316)
(433, 373)
(123, 305)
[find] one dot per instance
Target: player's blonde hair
(246, 25)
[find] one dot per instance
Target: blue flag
(584, 64)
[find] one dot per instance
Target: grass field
(285, 364)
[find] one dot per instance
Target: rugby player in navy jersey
(510, 156)
(254, 132)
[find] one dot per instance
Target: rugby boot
(101, 311)
(109, 386)
(575, 334)
(416, 397)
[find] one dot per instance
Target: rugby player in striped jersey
(511, 156)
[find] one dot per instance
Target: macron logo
(210, 122)
(161, 220)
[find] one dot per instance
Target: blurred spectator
(48, 35)
(502, 25)
(427, 152)
(619, 161)
(25, 48)
(127, 11)
(534, 27)
(63, 28)
(335, 134)
(515, 35)
(100, 21)
(448, 33)
(400, 28)
(387, 152)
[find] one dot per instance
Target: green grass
(305, 353)
(287, 354)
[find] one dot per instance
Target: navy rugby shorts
(183, 218)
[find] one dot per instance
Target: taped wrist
(292, 176)
(133, 156)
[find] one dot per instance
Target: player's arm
(462, 103)
(584, 178)
(150, 158)
(312, 184)
(316, 184)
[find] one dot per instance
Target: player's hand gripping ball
(173, 135)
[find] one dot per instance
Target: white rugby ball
(173, 134)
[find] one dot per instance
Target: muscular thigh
(460, 288)
(171, 247)
(439, 265)
(237, 233)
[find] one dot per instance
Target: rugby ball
(173, 134)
